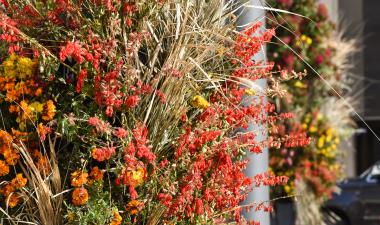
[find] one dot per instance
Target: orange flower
(11, 156)
(13, 200)
(79, 196)
(78, 178)
(42, 131)
(19, 181)
(96, 173)
(7, 190)
(134, 207)
(4, 168)
(38, 92)
(19, 134)
(117, 219)
(5, 138)
(49, 111)
(26, 111)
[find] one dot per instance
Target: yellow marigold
(79, 178)
(36, 107)
(79, 196)
(117, 219)
(4, 168)
(199, 102)
(49, 111)
(9, 66)
(11, 156)
(134, 207)
(25, 67)
(13, 200)
(96, 174)
(19, 181)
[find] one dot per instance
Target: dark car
(358, 202)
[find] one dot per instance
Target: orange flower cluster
(10, 155)
(79, 179)
(8, 191)
(23, 93)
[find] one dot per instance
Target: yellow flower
(249, 91)
(25, 67)
(36, 106)
(321, 142)
(299, 84)
(309, 41)
(138, 176)
(312, 129)
(200, 102)
(337, 140)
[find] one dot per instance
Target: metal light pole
(258, 163)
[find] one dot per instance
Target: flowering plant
(138, 103)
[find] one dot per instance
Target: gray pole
(258, 163)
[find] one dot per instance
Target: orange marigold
(117, 219)
(13, 200)
(79, 178)
(11, 156)
(79, 196)
(19, 181)
(134, 207)
(96, 174)
(5, 139)
(49, 111)
(7, 190)
(4, 168)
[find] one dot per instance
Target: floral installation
(128, 112)
(305, 43)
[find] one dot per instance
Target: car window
(371, 170)
(373, 173)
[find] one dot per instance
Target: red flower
(73, 49)
(198, 206)
(81, 77)
(323, 11)
(132, 101)
(120, 133)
